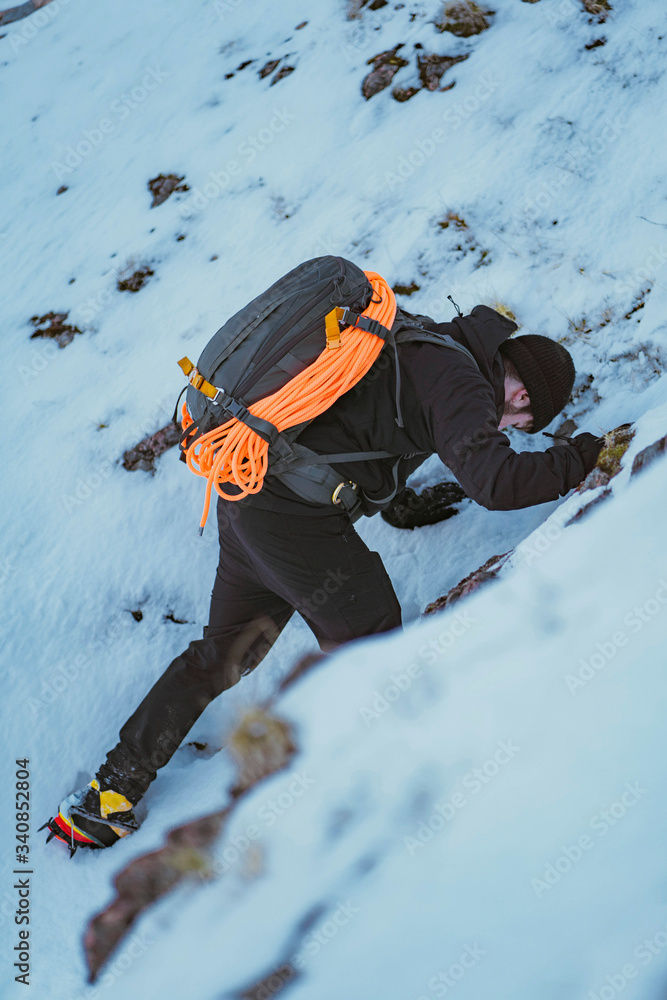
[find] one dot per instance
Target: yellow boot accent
(111, 802)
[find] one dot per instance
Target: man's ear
(521, 397)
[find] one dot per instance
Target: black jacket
(449, 407)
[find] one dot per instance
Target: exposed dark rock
(609, 459)
(177, 621)
(596, 44)
(12, 14)
(385, 67)
(199, 747)
(598, 8)
(268, 68)
(596, 477)
(406, 289)
(56, 329)
(137, 615)
(163, 185)
(648, 455)
(261, 745)
(282, 73)
(616, 445)
(145, 880)
(404, 93)
(464, 19)
(587, 508)
(432, 67)
(135, 281)
(452, 219)
(143, 455)
(272, 984)
(471, 582)
(62, 189)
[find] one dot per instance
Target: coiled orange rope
(233, 453)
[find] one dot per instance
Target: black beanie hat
(547, 371)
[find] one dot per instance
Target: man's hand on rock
(589, 447)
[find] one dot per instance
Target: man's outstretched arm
(464, 427)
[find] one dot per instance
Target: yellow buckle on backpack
(196, 379)
(332, 328)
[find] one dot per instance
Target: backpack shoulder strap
(418, 333)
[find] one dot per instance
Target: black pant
(270, 564)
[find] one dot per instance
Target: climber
(280, 553)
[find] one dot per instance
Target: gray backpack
(270, 341)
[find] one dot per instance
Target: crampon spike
(54, 830)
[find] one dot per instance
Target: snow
(552, 155)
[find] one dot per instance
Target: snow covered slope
(536, 181)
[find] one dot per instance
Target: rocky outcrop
(163, 185)
(56, 328)
(470, 583)
(648, 456)
(143, 455)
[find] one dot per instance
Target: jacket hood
(482, 331)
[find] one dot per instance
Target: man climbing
(280, 552)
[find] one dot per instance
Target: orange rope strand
(233, 453)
